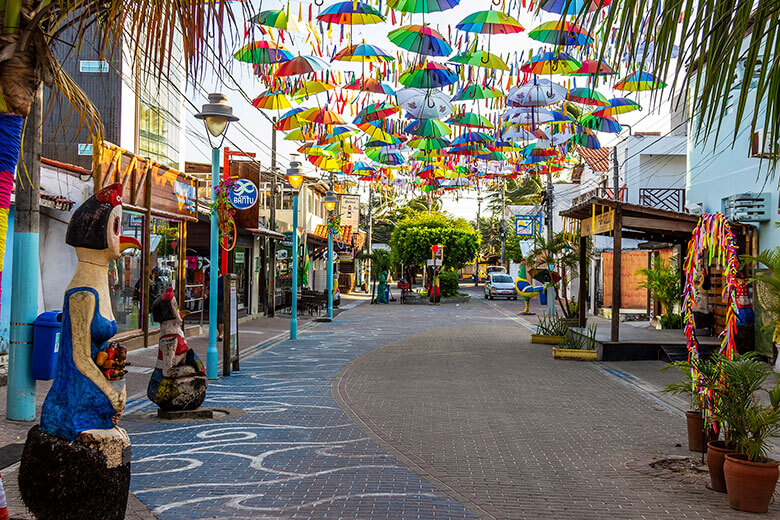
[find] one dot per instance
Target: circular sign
(244, 195)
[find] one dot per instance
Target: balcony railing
(600, 193)
(670, 199)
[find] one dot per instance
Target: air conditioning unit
(747, 207)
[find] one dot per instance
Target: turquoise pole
(24, 310)
(212, 355)
(330, 275)
(294, 303)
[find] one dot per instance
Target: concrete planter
(575, 354)
(547, 340)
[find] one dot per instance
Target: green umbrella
(470, 119)
(480, 58)
(429, 75)
(477, 91)
(422, 6)
(276, 18)
(490, 22)
(421, 40)
(429, 143)
(427, 128)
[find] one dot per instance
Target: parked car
(500, 285)
(495, 269)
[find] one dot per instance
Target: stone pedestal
(84, 480)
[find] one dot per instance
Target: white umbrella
(423, 103)
(538, 93)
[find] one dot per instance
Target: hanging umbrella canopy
(420, 40)
(600, 124)
(376, 133)
(427, 128)
(638, 81)
(492, 156)
(370, 85)
(470, 119)
(527, 115)
(338, 133)
(587, 96)
(362, 52)
(429, 143)
(302, 65)
(559, 117)
(516, 133)
(422, 6)
(350, 12)
(321, 116)
(586, 139)
(429, 75)
(477, 91)
(480, 58)
(572, 7)
(593, 68)
(617, 106)
(343, 147)
(304, 133)
(274, 18)
(263, 52)
(561, 33)
(505, 147)
(312, 149)
(311, 88)
(536, 150)
(428, 155)
(551, 63)
(391, 159)
(289, 120)
(424, 103)
(271, 101)
(360, 168)
(329, 164)
(472, 137)
(375, 112)
(469, 149)
(490, 22)
(540, 92)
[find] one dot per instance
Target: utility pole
(370, 228)
(479, 235)
(615, 175)
(271, 310)
(24, 292)
(503, 221)
(551, 288)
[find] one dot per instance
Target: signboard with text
(528, 225)
(602, 223)
(349, 210)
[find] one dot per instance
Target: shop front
(158, 202)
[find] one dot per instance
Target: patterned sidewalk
(295, 454)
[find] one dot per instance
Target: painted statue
(179, 378)
(76, 464)
(381, 296)
(524, 287)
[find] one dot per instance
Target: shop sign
(528, 225)
(288, 240)
(349, 210)
(239, 257)
(281, 254)
(186, 196)
(345, 257)
(244, 195)
(602, 223)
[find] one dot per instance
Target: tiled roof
(598, 160)
(344, 236)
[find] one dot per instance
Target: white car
(500, 285)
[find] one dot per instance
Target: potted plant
(663, 282)
(551, 330)
(696, 374)
(578, 346)
(750, 475)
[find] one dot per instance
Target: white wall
(651, 162)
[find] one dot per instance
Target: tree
(389, 211)
(562, 253)
(413, 237)
(663, 282)
(527, 192)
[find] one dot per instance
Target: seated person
(179, 379)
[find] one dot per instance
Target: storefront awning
(262, 230)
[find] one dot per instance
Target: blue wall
(5, 301)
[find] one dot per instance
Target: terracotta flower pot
(750, 484)
(716, 456)
(697, 440)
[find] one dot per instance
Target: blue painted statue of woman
(85, 397)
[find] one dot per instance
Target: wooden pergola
(600, 216)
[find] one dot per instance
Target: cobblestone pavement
(504, 427)
(295, 454)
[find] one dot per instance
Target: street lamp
(330, 201)
(295, 178)
(217, 116)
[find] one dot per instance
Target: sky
(252, 134)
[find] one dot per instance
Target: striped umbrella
(271, 101)
(473, 92)
(572, 7)
(263, 53)
(617, 106)
(420, 39)
(600, 124)
(422, 6)
(311, 88)
(470, 119)
(429, 75)
(375, 112)
(429, 143)
(480, 58)
(289, 120)
(302, 65)
(321, 116)
(490, 22)
(276, 18)
(351, 12)
(561, 33)
(551, 63)
(370, 85)
(362, 52)
(587, 96)
(427, 128)
(593, 68)
(638, 81)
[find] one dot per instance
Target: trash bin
(542, 295)
(46, 344)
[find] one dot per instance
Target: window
(85, 149)
(124, 277)
(163, 255)
(93, 66)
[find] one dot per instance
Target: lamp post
(330, 201)
(217, 116)
(295, 178)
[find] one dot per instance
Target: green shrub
(582, 341)
(552, 326)
(671, 321)
(448, 283)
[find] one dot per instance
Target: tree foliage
(562, 252)
(663, 282)
(525, 192)
(413, 237)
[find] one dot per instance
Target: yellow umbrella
(271, 101)
(311, 88)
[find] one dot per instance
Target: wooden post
(617, 239)
(583, 290)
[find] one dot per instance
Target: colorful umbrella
(429, 143)
(429, 75)
(370, 85)
(561, 33)
(600, 124)
(617, 106)
(375, 112)
(271, 101)
(343, 147)
(637, 81)
(351, 12)
(310, 88)
(362, 52)
(472, 137)
(375, 133)
(551, 63)
(422, 6)
(301, 134)
(321, 116)
(360, 168)
(480, 58)
(314, 150)
(540, 92)
(492, 156)
(330, 164)
(427, 128)
(424, 103)
(276, 19)
(587, 96)
(421, 40)
(586, 140)
(263, 52)
(472, 92)
(302, 65)
(593, 68)
(490, 22)
(391, 158)
(470, 119)
(289, 120)
(572, 7)
(338, 133)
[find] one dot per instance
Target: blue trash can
(542, 295)
(46, 344)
